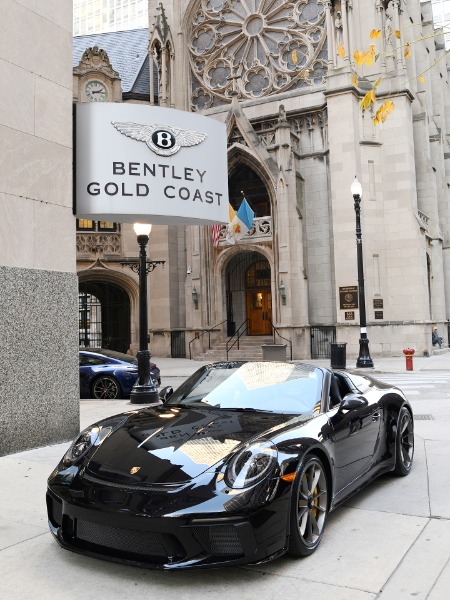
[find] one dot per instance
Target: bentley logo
(162, 139)
(134, 470)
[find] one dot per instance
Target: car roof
(110, 354)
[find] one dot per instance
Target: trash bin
(338, 355)
(274, 352)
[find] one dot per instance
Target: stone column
(330, 36)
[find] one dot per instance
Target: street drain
(423, 418)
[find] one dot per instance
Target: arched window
(244, 182)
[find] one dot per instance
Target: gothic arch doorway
(249, 294)
(104, 316)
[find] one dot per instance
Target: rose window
(255, 48)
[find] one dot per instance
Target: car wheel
(309, 508)
(106, 388)
(404, 443)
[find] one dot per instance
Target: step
(250, 348)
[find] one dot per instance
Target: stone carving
(261, 231)
(95, 59)
(89, 243)
(255, 48)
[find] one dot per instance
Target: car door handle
(375, 416)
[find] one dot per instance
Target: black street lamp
(144, 390)
(364, 359)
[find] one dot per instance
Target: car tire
(404, 443)
(309, 508)
(106, 388)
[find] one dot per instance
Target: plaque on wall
(348, 297)
(378, 302)
(349, 315)
(378, 314)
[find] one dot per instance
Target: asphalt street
(390, 542)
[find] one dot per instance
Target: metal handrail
(198, 335)
(275, 330)
(237, 335)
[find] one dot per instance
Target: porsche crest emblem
(134, 470)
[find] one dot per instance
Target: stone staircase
(436, 350)
(249, 349)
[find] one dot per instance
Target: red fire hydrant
(409, 353)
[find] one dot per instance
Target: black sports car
(241, 464)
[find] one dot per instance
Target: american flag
(215, 232)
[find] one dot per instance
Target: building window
(88, 225)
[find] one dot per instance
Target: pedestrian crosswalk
(417, 383)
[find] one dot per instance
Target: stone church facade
(281, 76)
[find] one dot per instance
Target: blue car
(107, 375)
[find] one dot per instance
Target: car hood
(168, 445)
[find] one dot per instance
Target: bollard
(409, 352)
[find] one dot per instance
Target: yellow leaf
(397, 34)
(422, 79)
(370, 55)
(294, 57)
(359, 58)
(355, 80)
(341, 50)
(377, 82)
(408, 52)
(375, 34)
(383, 112)
(368, 100)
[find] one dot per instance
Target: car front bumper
(120, 527)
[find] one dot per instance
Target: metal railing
(199, 335)
(237, 334)
(275, 331)
(322, 336)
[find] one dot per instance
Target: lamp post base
(364, 360)
(144, 390)
(145, 394)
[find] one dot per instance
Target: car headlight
(252, 464)
(92, 436)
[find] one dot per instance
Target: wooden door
(259, 312)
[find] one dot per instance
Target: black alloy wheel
(309, 508)
(404, 443)
(106, 388)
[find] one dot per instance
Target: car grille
(124, 540)
(221, 540)
(131, 485)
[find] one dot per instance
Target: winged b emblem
(162, 139)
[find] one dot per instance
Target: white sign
(137, 163)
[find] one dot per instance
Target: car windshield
(267, 386)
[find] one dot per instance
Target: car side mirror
(352, 401)
(165, 393)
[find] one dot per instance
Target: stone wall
(39, 388)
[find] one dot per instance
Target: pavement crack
(33, 537)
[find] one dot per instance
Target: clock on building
(95, 91)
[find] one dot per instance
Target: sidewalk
(183, 367)
(390, 542)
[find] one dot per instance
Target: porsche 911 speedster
(241, 464)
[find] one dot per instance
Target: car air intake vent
(138, 542)
(221, 540)
(54, 507)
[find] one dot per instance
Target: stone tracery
(255, 48)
